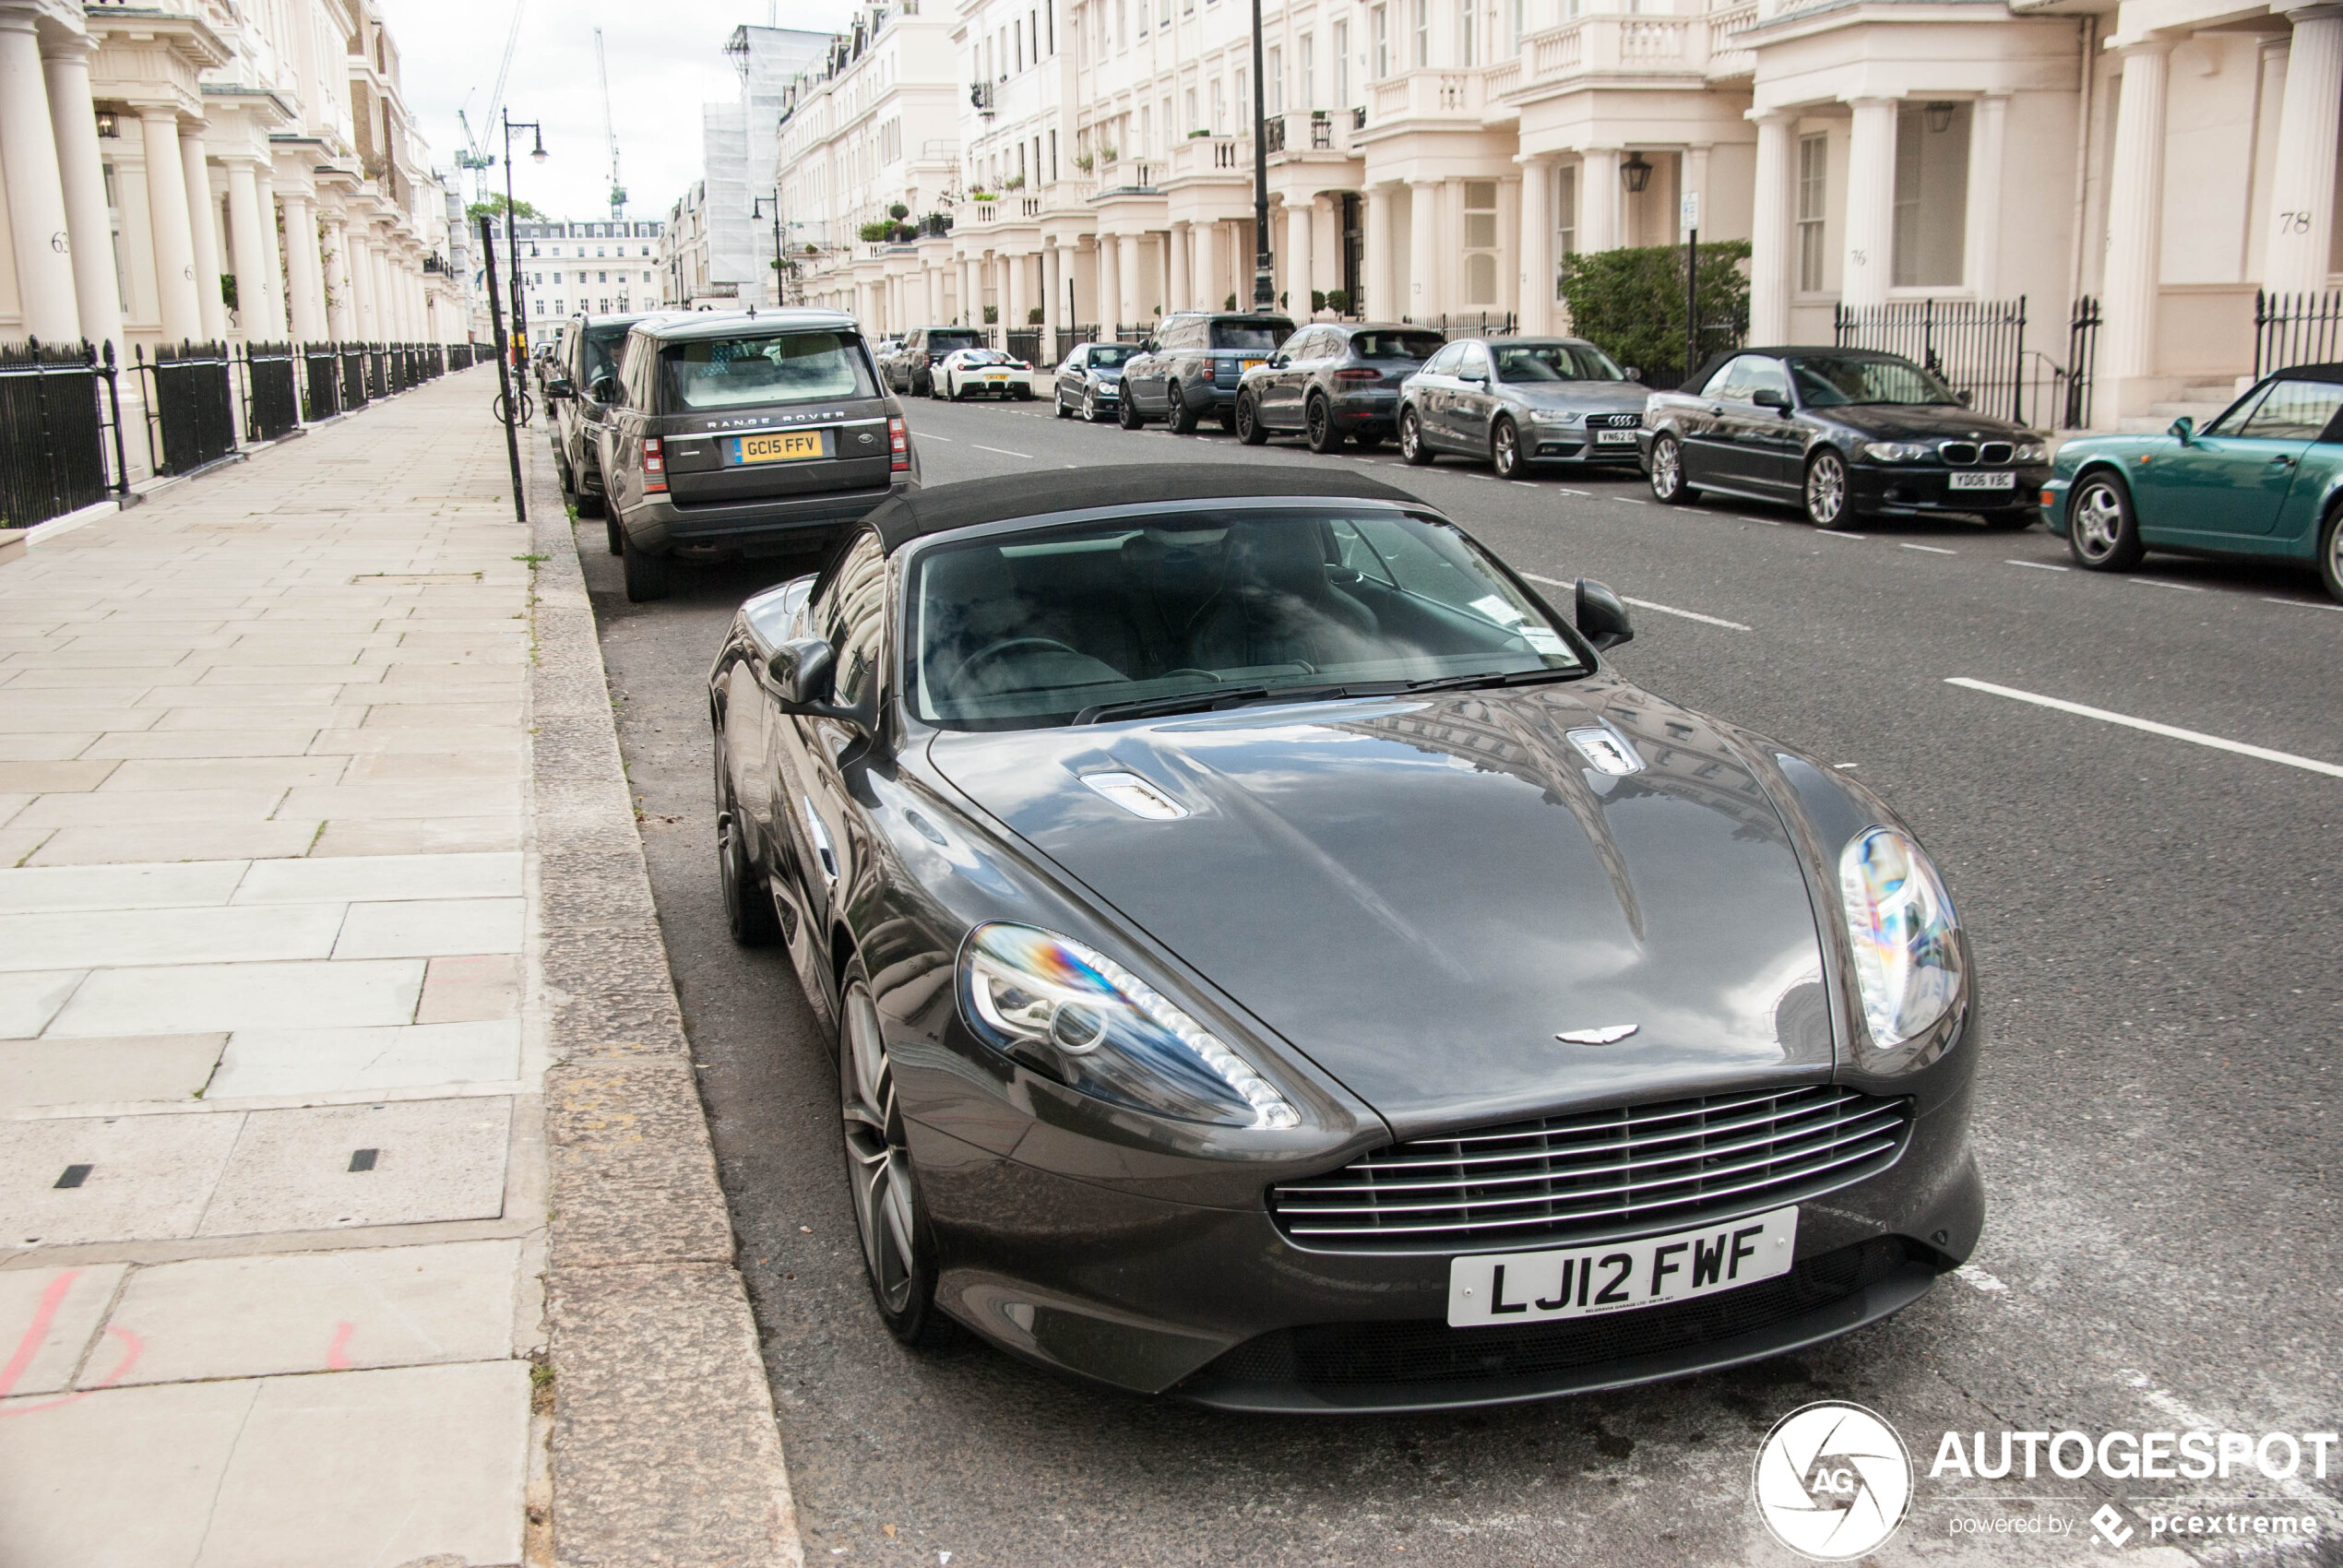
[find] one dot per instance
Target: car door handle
(2283, 461)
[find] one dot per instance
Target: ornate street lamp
(1635, 174)
(537, 155)
(1940, 116)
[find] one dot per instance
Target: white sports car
(982, 372)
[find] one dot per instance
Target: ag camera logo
(1833, 1481)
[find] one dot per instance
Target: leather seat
(1277, 606)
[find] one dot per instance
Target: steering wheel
(1007, 646)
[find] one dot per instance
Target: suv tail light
(654, 467)
(1357, 374)
(898, 446)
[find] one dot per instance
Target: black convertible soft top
(947, 506)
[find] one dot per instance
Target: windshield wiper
(1211, 697)
(1495, 678)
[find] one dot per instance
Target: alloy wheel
(1090, 407)
(1827, 490)
(878, 1165)
(1249, 429)
(1667, 469)
(2331, 557)
(1505, 450)
(1412, 444)
(2098, 524)
(1324, 436)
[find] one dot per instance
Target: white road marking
(1002, 451)
(2157, 582)
(1650, 604)
(2300, 603)
(1827, 533)
(2195, 737)
(1523, 482)
(1932, 549)
(1628, 500)
(1566, 489)
(1770, 522)
(2036, 565)
(2184, 1414)
(1979, 1279)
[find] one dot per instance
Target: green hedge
(1631, 302)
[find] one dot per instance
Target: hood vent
(1136, 795)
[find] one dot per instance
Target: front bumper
(1915, 489)
(768, 526)
(2055, 492)
(1216, 1305)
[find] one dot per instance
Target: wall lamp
(1635, 174)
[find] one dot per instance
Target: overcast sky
(666, 59)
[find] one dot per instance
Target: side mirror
(1278, 361)
(800, 672)
(559, 387)
(605, 389)
(1963, 399)
(1771, 397)
(1632, 373)
(2185, 427)
(1603, 620)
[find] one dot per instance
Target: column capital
(2320, 13)
(2150, 43)
(1871, 100)
(1535, 160)
(1778, 116)
(67, 46)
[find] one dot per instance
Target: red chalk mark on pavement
(42, 1316)
(132, 1347)
(337, 1353)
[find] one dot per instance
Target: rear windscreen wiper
(1495, 678)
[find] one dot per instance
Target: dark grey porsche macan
(1276, 962)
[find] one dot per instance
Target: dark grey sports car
(1276, 962)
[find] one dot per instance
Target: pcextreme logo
(1833, 1481)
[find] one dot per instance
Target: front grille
(1613, 421)
(1958, 452)
(1596, 1173)
(1426, 1350)
(1996, 452)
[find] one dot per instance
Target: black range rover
(755, 434)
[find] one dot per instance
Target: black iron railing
(2082, 362)
(1025, 343)
(1070, 336)
(56, 405)
(321, 381)
(191, 406)
(354, 376)
(2291, 329)
(1974, 346)
(272, 395)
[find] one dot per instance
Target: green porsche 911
(2266, 478)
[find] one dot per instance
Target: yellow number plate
(793, 447)
(1247, 364)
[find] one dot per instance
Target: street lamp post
(519, 314)
(780, 273)
(1265, 287)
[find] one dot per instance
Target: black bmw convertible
(1276, 962)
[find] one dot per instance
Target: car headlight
(1557, 416)
(1898, 451)
(1908, 958)
(2031, 452)
(1074, 1013)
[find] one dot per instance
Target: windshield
(1831, 380)
(1109, 355)
(983, 356)
(1396, 344)
(1553, 362)
(603, 345)
(724, 373)
(1040, 628)
(1262, 335)
(945, 342)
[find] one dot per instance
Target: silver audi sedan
(1514, 401)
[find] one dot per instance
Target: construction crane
(475, 155)
(609, 130)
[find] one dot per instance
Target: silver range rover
(752, 434)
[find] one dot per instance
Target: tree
(494, 208)
(1630, 303)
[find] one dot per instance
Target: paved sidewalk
(272, 1143)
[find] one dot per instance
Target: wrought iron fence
(2291, 329)
(354, 376)
(1974, 346)
(272, 396)
(191, 406)
(378, 372)
(1025, 343)
(2082, 363)
(1474, 324)
(321, 381)
(1070, 336)
(56, 404)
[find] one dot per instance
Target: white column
(378, 294)
(244, 233)
(971, 297)
(359, 267)
(1598, 198)
(1379, 285)
(97, 297)
(935, 297)
(167, 212)
(1015, 305)
(1988, 132)
(43, 239)
(1424, 254)
(1871, 203)
(2134, 226)
(1772, 268)
(1212, 268)
(1126, 267)
(2302, 192)
(1105, 283)
(203, 229)
(1182, 286)
(1298, 216)
(1537, 246)
(341, 317)
(272, 253)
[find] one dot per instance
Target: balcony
(1323, 132)
(1612, 45)
(1429, 95)
(1201, 156)
(980, 96)
(1729, 57)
